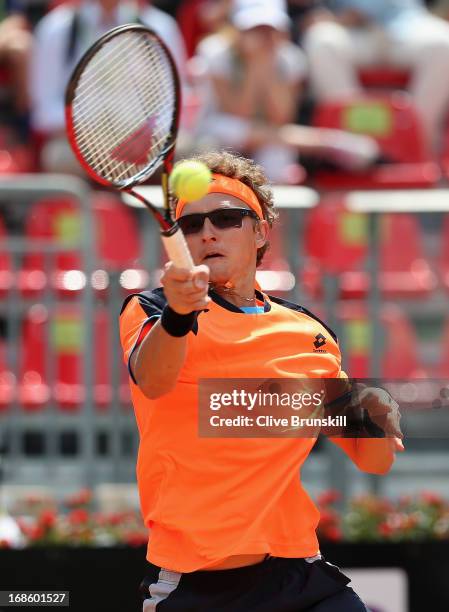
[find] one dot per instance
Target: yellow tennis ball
(190, 180)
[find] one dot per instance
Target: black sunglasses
(221, 218)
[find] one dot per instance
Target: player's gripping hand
(383, 410)
(186, 290)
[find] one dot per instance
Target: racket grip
(176, 247)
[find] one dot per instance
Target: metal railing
(20, 191)
(100, 447)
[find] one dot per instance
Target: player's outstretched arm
(159, 358)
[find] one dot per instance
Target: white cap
(249, 14)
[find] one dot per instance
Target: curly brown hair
(248, 172)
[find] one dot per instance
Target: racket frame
(166, 156)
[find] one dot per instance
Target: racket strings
(122, 100)
(111, 132)
(123, 106)
(103, 124)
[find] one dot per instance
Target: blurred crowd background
(332, 97)
(254, 74)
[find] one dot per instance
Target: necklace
(229, 289)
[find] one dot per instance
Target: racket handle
(177, 250)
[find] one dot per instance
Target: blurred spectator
(253, 83)
(15, 46)
(168, 6)
(440, 8)
(256, 76)
(305, 12)
(61, 37)
(400, 33)
(196, 18)
(34, 10)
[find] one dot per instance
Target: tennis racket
(122, 112)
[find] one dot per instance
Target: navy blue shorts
(274, 585)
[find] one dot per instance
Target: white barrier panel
(382, 589)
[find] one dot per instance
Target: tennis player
(231, 527)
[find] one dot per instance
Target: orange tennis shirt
(205, 499)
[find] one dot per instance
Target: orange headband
(230, 186)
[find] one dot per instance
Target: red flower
(329, 525)
(328, 497)
(412, 521)
(135, 538)
(404, 500)
(328, 517)
(100, 519)
(78, 517)
(47, 519)
(385, 530)
(121, 518)
(37, 532)
(433, 499)
(34, 500)
(23, 524)
(82, 498)
(117, 518)
(333, 533)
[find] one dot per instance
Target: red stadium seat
(405, 271)
(68, 332)
(443, 262)
(394, 123)
(384, 77)
(119, 244)
(334, 236)
(400, 356)
(34, 388)
(102, 357)
(7, 379)
(189, 19)
(14, 157)
(58, 221)
(58, 350)
(118, 239)
(6, 269)
(337, 240)
(445, 151)
(5, 75)
(444, 360)
(334, 242)
(124, 389)
(14, 161)
(274, 274)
